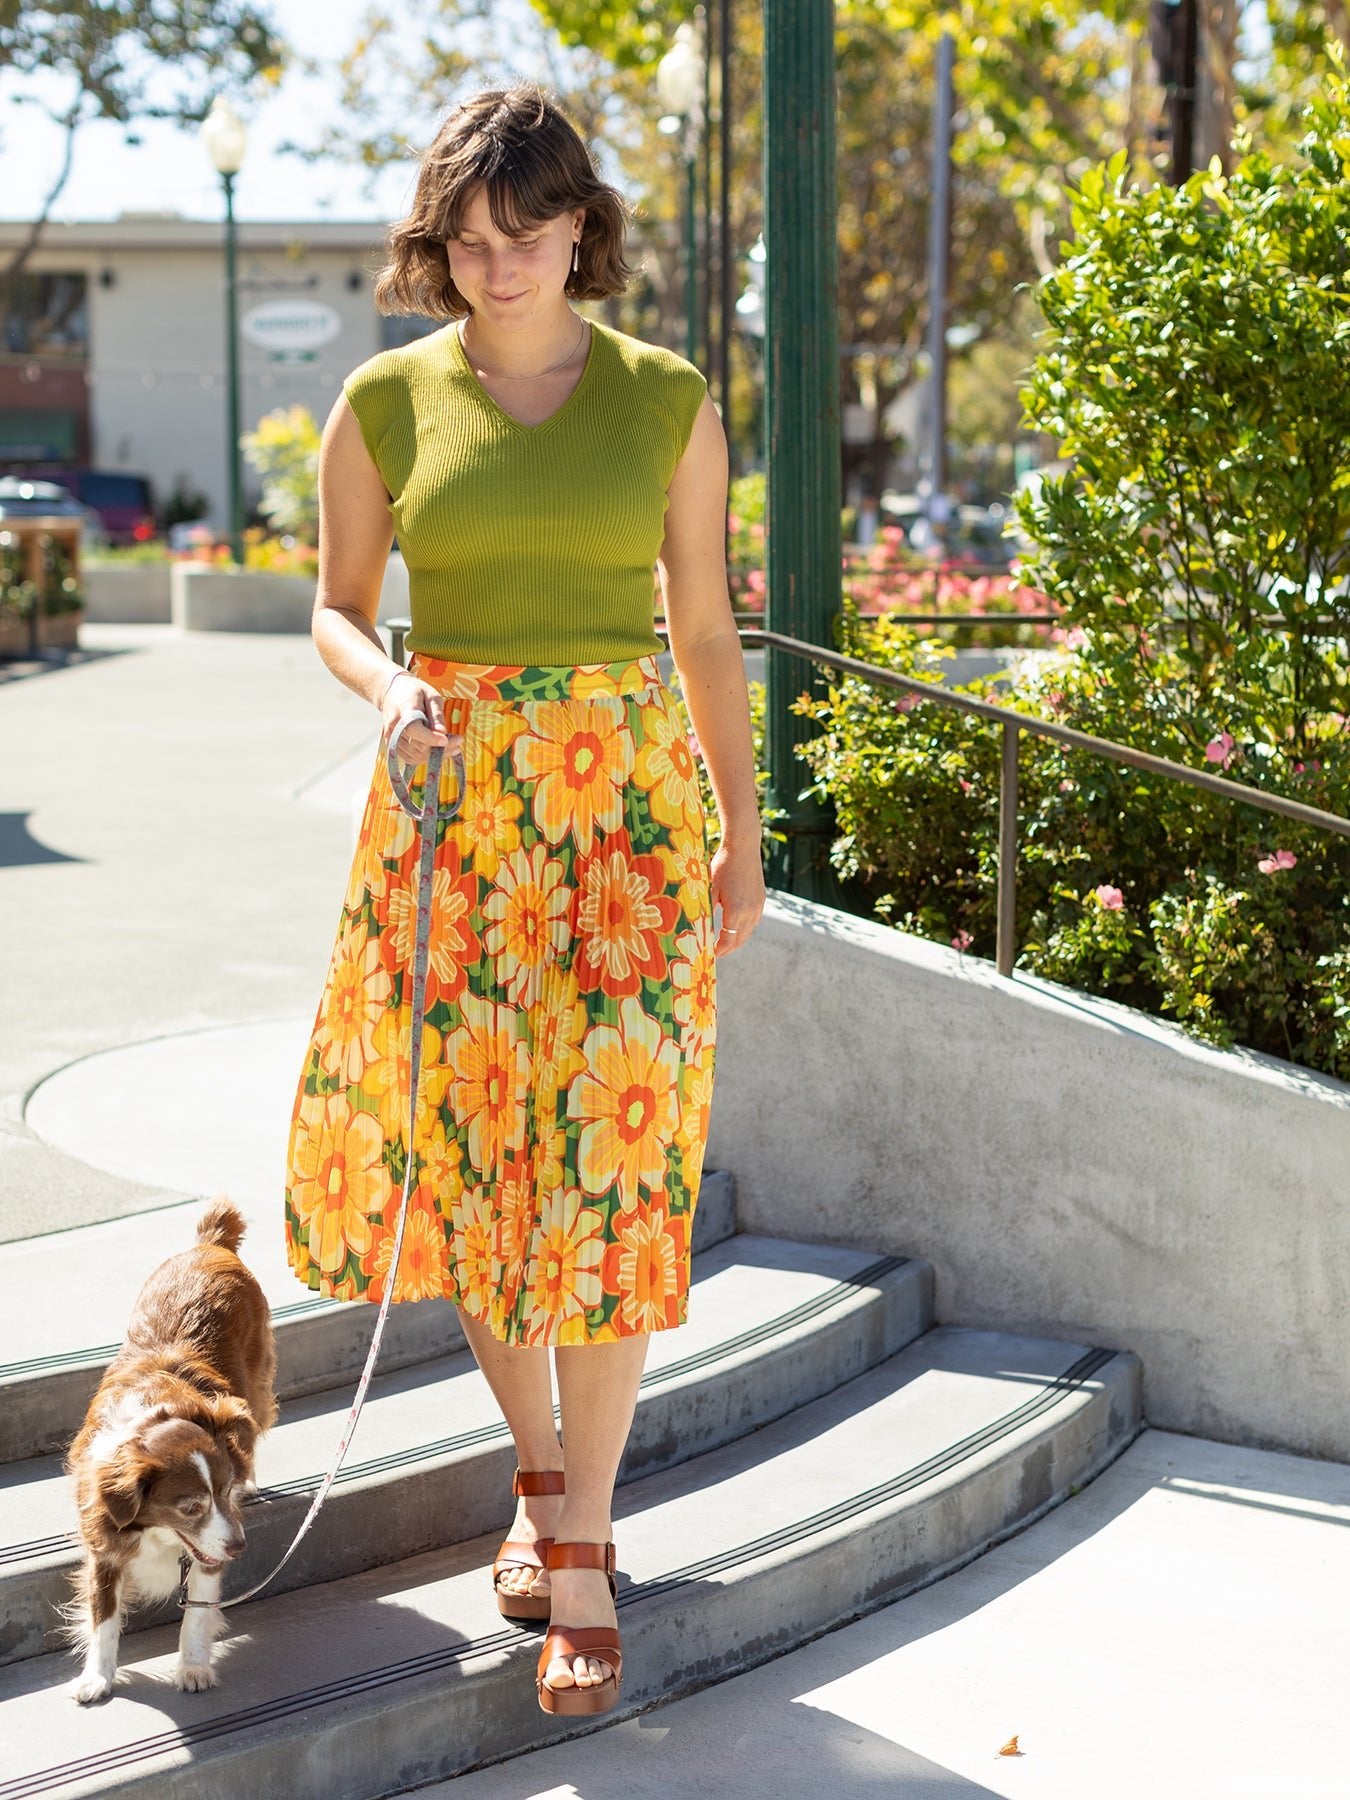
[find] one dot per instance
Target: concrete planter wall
(135, 594)
(206, 598)
(1069, 1166)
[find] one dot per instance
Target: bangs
(523, 192)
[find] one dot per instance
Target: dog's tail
(222, 1223)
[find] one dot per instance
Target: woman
(537, 468)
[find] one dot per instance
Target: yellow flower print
(489, 1065)
(441, 1170)
(489, 732)
(355, 1000)
(579, 755)
(526, 920)
(627, 1101)
(564, 1273)
(387, 1076)
(685, 864)
(421, 1267)
(693, 976)
(474, 1279)
(487, 829)
(692, 1133)
(338, 1180)
(666, 766)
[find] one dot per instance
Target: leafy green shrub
(285, 451)
(1131, 886)
(1196, 370)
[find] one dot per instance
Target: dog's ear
(235, 1427)
(126, 1483)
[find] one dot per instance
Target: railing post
(1006, 947)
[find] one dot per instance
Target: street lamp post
(225, 140)
(679, 86)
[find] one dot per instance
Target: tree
(124, 61)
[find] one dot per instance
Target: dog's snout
(234, 1543)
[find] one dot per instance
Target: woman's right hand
(407, 697)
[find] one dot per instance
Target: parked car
(24, 499)
(123, 502)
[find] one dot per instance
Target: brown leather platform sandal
(599, 1641)
(515, 1553)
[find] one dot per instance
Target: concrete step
(68, 1296)
(772, 1325)
(406, 1674)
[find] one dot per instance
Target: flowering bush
(1131, 886)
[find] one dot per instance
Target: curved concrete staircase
(807, 1449)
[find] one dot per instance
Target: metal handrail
(1013, 724)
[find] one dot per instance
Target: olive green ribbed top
(528, 543)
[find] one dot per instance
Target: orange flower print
(564, 1273)
(338, 1179)
(627, 1102)
(475, 1280)
(693, 977)
(421, 1267)
(487, 829)
(453, 943)
(644, 1269)
(357, 996)
(512, 1225)
(666, 766)
(579, 755)
(489, 1077)
(621, 917)
(529, 911)
(387, 1076)
(551, 1161)
(686, 865)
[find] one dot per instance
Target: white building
(114, 351)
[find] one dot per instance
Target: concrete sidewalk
(174, 850)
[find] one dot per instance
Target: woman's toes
(559, 1673)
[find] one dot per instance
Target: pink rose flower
(1282, 859)
(962, 941)
(1110, 899)
(1220, 749)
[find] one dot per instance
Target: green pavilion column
(801, 408)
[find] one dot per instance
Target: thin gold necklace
(502, 375)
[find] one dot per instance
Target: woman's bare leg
(522, 1386)
(598, 1389)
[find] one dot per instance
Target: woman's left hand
(737, 882)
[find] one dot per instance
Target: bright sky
(170, 168)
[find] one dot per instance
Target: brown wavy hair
(534, 165)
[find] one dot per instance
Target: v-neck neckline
(466, 367)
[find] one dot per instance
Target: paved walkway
(176, 823)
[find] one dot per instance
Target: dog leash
(426, 815)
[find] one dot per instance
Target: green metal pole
(236, 506)
(690, 245)
(801, 430)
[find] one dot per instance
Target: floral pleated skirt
(568, 1050)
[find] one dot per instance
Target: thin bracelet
(392, 679)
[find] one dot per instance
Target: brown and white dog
(165, 1454)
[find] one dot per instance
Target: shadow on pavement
(19, 848)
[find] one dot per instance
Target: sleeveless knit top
(528, 543)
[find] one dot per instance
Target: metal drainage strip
(304, 1485)
(43, 1781)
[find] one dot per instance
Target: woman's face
(511, 282)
